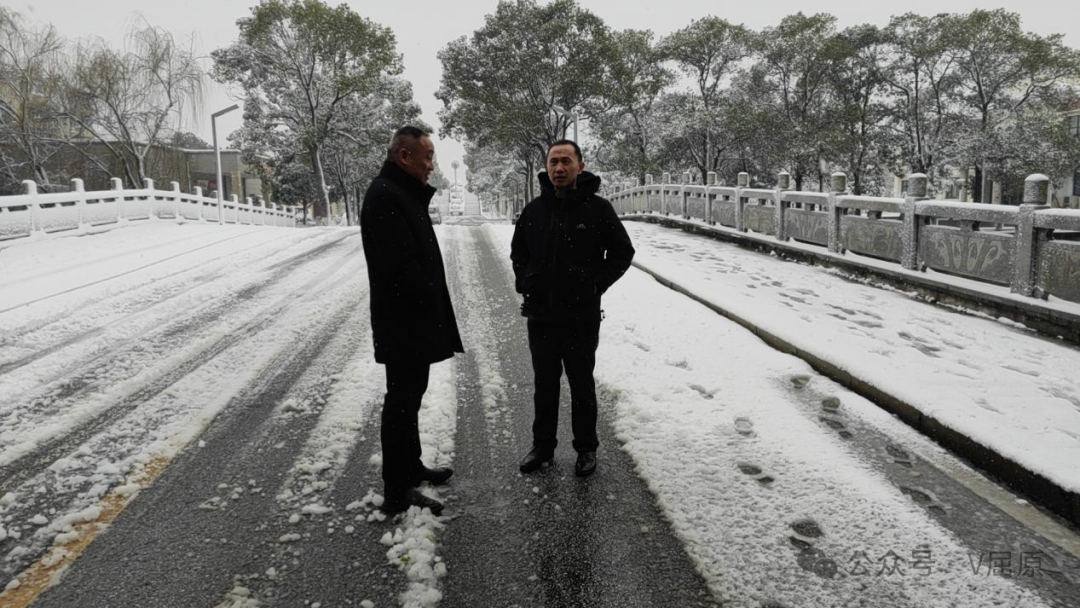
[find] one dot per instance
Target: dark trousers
(553, 347)
(400, 434)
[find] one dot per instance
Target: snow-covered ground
(721, 430)
(118, 349)
(1001, 385)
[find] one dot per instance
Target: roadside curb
(1017, 477)
(1032, 314)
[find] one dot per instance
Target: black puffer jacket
(567, 251)
(412, 318)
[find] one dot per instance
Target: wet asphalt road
(547, 540)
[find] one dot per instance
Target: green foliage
(306, 70)
(499, 87)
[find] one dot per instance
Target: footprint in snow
(755, 473)
(800, 380)
(925, 498)
(701, 391)
(899, 456)
(831, 404)
(806, 533)
(836, 425)
(744, 427)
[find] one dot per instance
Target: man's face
(417, 157)
(563, 166)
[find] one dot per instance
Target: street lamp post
(573, 117)
(217, 153)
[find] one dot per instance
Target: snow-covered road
(207, 394)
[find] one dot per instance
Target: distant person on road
(412, 318)
(569, 247)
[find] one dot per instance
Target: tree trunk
(316, 164)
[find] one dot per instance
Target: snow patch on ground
(1006, 388)
(768, 501)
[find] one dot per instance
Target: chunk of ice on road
(65, 537)
(289, 538)
(12, 585)
(314, 468)
(7, 500)
(367, 604)
(294, 518)
(315, 509)
(87, 515)
(39, 520)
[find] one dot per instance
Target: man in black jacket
(569, 247)
(412, 318)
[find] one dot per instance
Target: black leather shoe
(535, 459)
(586, 464)
(435, 477)
(396, 503)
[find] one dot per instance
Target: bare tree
(31, 133)
(132, 100)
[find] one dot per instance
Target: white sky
(424, 27)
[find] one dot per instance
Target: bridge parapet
(1032, 249)
(38, 213)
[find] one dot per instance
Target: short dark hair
(401, 136)
(566, 142)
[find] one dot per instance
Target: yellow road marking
(45, 572)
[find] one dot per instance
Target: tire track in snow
(18, 331)
(216, 304)
(242, 444)
(55, 332)
(38, 455)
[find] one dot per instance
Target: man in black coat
(412, 318)
(569, 247)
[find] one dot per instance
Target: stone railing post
(175, 188)
(148, 199)
(837, 187)
(709, 197)
(197, 191)
(236, 208)
(118, 185)
(783, 183)
(250, 210)
(1028, 238)
(663, 192)
(79, 188)
(35, 209)
(684, 194)
(909, 233)
(742, 181)
(648, 194)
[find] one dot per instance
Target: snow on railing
(33, 212)
(1033, 249)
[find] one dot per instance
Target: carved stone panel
(760, 218)
(723, 213)
(875, 238)
(1059, 269)
(807, 226)
(980, 255)
(695, 207)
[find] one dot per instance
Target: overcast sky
(423, 28)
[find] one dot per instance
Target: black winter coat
(412, 318)
(568, 251)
